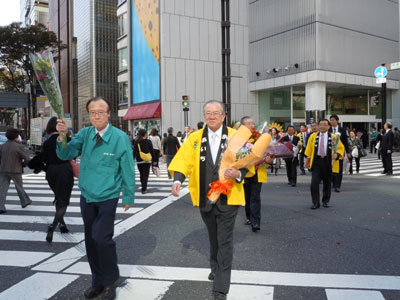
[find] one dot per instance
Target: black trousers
(372, 146)
(291, 169)
(252, 191)
(144, 171)
(301, 161)
(98, 218)
(220, 225)
(357, 159)
(156, 157)
(337, 177)
(387, 162)
(320, 172)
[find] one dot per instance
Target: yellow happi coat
(187, 162)
(312, 146)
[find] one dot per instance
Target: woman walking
(59, 177)
(277, 161)
(156, 142)
(12, 154)
(354, 143)
(142, 144)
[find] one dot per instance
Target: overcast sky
(9, 11)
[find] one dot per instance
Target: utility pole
(226, 59)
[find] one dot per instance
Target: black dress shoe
(383, 172)
(325, 205)
(109, 293)
(2, 212)
(63, 228)
(247, 222)
(289, 183)
(293, 184)
(93, 292)
(389, 173)
(255, 228)
(211, 276)
(49, 236)
(315, 206)
(29, 203)
(219, 296)
(337, 190)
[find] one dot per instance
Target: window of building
(123, 92)
(122, 59)
(120, 2)
(347, 102)
(122, 24)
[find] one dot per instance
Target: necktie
(322, 146)
(291, 138)
(334, 130)
(98, 138)
(214, 147)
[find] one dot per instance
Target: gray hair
(170, 130)
(215, 101)
(244, 119)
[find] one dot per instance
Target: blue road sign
(381, 72)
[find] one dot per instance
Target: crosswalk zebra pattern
(372, 166)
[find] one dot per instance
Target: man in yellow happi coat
(199, 158)
(322, 161)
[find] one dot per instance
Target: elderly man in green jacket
(106, 168)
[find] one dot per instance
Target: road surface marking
(70, 209)
(40, 236)
(143, 289)
(22, 258)
(353, 295)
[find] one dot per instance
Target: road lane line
(22, 258)
(332, 294)
(61, 261)
(40, 236)
(143, 289)
(77, 199)
(70, 209)
(38, 287)
(250, 292)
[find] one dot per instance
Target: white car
(3, 138)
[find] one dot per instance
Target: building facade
(181, 42)
(96, 29)
(317, 57)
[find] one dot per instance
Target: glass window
(299, 102)
(122, 59)
(120, 2)
(122, 24)
(347, 102)
(123, 92)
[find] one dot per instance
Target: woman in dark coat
(146, 146)
(60, 178)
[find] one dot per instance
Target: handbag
(75, 168)
(378, 145)
(144, 156)
(156, 171)
(363, 153)
(354, 152)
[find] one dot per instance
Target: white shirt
(155, 140)
(335, 129)
(103, 131)
(214, 145)
(325, 137)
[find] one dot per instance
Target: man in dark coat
(291, 163)
(387, 148)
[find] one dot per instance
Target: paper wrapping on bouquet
(224, 185)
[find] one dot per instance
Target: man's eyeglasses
(99, 113)
(212, 113)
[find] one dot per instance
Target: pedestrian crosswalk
(372, 166)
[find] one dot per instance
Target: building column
(315, 101)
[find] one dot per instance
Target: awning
(144, 111)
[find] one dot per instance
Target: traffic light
(2, 110)
(185, 102)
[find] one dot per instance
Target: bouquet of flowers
(43, 65)
(236, 156)
(335, 143)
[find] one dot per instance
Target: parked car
(3, 138)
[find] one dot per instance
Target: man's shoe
(25, 205)
(219, 296)
(211, 276)
(109, 293)
(2, 212)
(247, 222)
(293, 184)
(389, 173)
(325, 205)
(337, 190)
(93, 292)
(144, 192)
(289, 183)
(255, 228)
(315, 206)
(383, 172)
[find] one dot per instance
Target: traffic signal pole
(383, 104)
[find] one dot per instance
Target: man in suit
(387, 148)
(303, 135)
(322, 162)
(291, 163)
(170, 147)
(336, 129)
(252, 187)
(199, 158)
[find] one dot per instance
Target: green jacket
(105, 168)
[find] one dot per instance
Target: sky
(9, 12)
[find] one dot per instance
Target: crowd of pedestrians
(108, 157)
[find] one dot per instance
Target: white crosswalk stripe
(372, 166)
